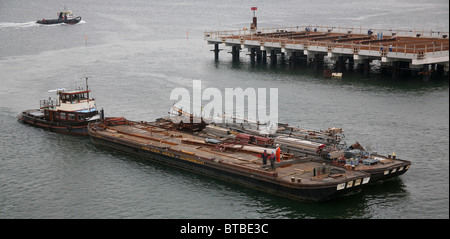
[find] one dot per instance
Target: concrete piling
(273, 57)
(235, 52)
(216, 51)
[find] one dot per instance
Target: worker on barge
(278, 153)
(272, 160)
(264, 157)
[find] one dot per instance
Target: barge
(325, 146)
(69, 113)
(300, 178)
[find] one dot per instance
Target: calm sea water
(137, 52)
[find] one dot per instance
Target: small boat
(70, 113)
(65, 16)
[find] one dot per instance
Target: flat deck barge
(298, 177)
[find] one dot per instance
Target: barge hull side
(304, 194)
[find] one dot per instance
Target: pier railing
(333, 29)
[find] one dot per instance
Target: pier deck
(414, 47)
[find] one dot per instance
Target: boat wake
(18, 24)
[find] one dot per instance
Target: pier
(413, 52)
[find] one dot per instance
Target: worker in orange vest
(278, 153)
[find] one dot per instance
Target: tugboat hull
(58, 21)
(27, 117)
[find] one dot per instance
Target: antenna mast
(87, 88)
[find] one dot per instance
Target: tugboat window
(81, 117)
(71, 116)
(62, 116)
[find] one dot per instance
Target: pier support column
(317, 61)
(366, 66)
(384, 68)
(425, 72)
(283, 58)
(302, 59)
(339, 65)
(235, 53)
(258, 55)
(293, 58)
(273, 57)
(439, 70)
(252, 54)
(351, 64)
(264, 56)
(216, 51)
(395, 71)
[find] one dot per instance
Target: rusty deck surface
(148, 136)
(401, 44)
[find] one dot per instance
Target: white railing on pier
(334, 29)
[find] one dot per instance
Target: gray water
(137, 52)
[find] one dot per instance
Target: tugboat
(65, 16)
(70, 113)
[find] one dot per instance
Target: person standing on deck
(278, 153)
(272, 160)
(264, 157)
